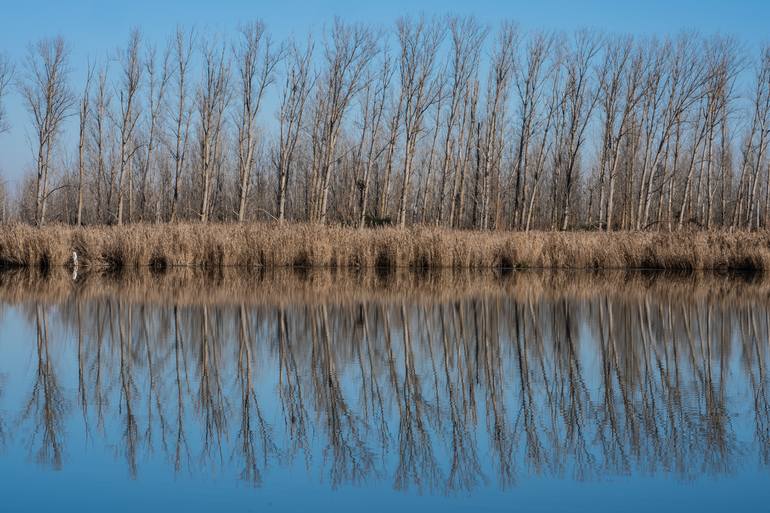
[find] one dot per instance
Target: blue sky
(96, 28)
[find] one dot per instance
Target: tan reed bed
(266, 245)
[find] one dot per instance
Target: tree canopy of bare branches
(49, 100)
(6, 75)
(437, 121)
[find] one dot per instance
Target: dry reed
(265, 245)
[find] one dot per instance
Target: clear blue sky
(94, 28)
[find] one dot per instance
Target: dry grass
(303, 245)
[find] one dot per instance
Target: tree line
(437, 121)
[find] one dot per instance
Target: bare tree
(6, 75)
(347, 52)
(295, 92)
(100, 141)
(680, 89)
(466, 36)
(183, 49)
(131, 67)
(546, 141)
(394, 128)
(619, 81)
(498, 89)
(419, 43)
(723, 66)
(49, 100)
(376, 97)
(755, 147)
(528, 82)
(85, 109)
(158, 78)
(4, 207)
(213, 98)
(256, 58)
(580, 97)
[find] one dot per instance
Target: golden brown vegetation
(264, 245)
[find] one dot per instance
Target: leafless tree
(347, 52)
(128, 90)
(183, 48)
(256, 58)
(580, 97)
(103, 141)
(6, 75)
(85, 109)
(49, 100)
(419, 43)
(618, 96)
(296, 89)
(547, 138)
(158, 78)
(755, 147)
(529, 80)
(375, 100)
(212, 100)
(498, 90)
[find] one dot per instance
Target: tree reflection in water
(578, 377)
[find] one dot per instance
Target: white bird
(74, 266)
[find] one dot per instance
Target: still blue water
(527, 397)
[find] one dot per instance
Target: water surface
(341, 392)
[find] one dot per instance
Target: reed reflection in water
(576, 377)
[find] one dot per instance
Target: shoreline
(299, 245)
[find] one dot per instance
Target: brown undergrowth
(265, 245)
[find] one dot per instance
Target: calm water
(525, 392)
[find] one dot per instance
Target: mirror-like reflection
(439, 384)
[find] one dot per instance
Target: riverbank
(267, 245)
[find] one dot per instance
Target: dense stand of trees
(439, 121)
